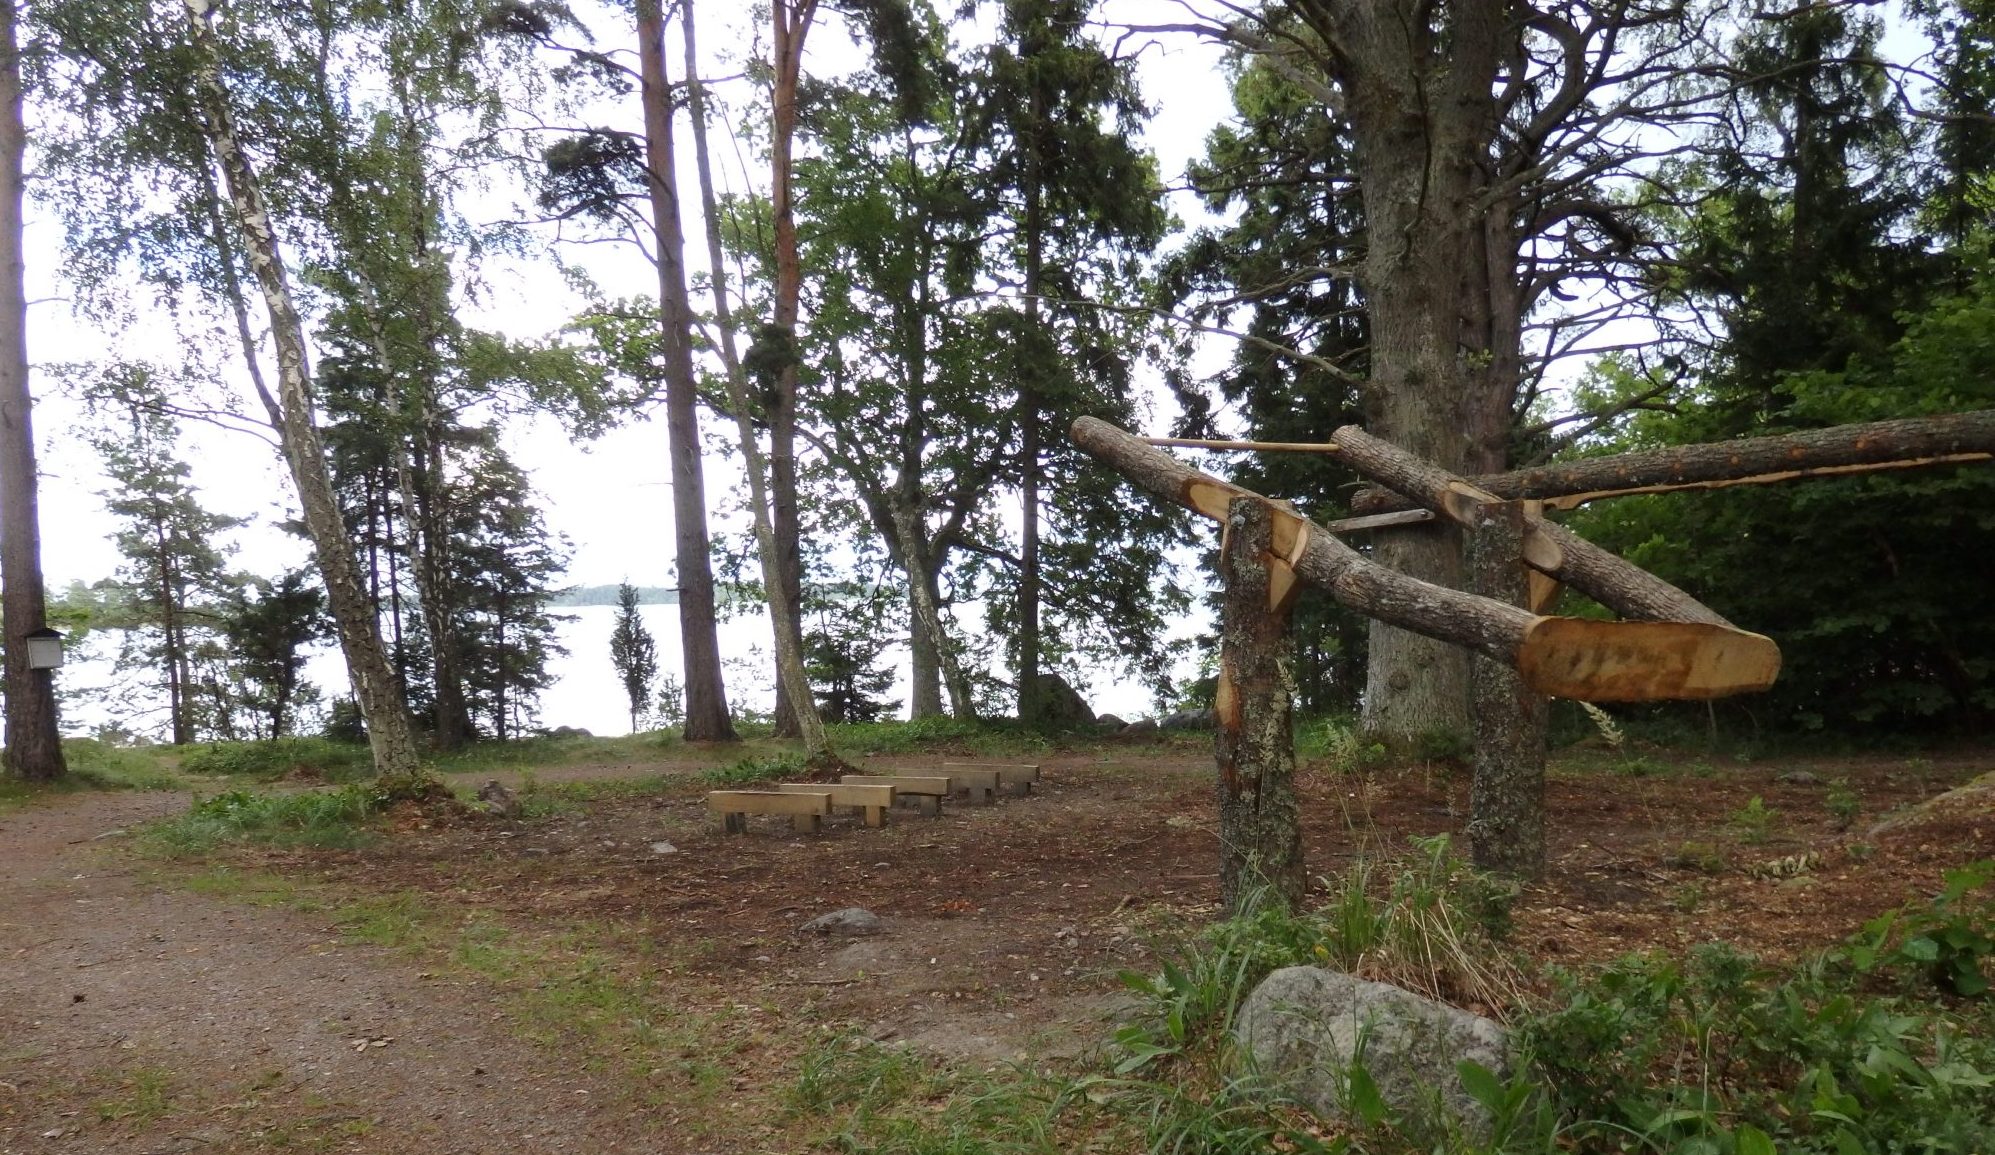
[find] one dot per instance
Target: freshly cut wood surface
(1904, 443)
(1598, 661)
(792, 802)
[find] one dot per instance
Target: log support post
(1260, 823)
(1507, 798)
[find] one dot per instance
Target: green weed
(325, 818)
(1842, 803)
(275, 758)
(1754, 821)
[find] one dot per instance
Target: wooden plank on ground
(870, 798)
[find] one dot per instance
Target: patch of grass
(96, 765)
(143, 1094)
(939, 736)
(1842, 803)
(324, 818)
(1702, 857)
(274, 758)
(554, 750)
(751, 771)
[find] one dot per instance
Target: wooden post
(1507, 798)
(1260, 824)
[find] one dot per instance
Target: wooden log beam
(1562, 657)
(1553, 550)
(1906, 443)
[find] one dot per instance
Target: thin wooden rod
(1244, 446)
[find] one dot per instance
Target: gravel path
(138, 1017)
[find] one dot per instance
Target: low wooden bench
(872, 799)
(803, 809)
(978, 782)
(1018, 775)
(927, 790)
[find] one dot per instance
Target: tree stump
(1507, 798)
(1260, 824)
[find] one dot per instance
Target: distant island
(607, 596)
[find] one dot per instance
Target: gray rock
(850, 922)
(1109, 723)
(1140, 727)
(663, 848)
(1798, 778)
(1303, 1026)
(1188, 720)
(1061, 706)
(498, 800)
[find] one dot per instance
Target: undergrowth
(322, 818)
(274, 758)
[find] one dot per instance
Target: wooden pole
(1507, 796)
(1260, 823)
(1906, 443)
(1562, 657)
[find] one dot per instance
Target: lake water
(585, 691)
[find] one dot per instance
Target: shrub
(275, 758)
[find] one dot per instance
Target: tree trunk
(922, 593)
(1507, 798)
(389, 730)
(1260, 822)
(707, 717)
(1904, 443)
(1418, 86)
(34, 744)
(792, 20)
(784, 615)
(925, 670)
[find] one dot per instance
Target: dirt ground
(137, 1014)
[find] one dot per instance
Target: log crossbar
(1683, 651)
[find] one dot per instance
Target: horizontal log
(1904, 443)
(1696, 658)
(1553, 550)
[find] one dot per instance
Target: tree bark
(389, 730)
(1907, 442)
(922, 595)
(924, 671)
(1260, 822)
(707, 718)
(792, 20)
(34, 744)
(1507, 796)
(784, 615)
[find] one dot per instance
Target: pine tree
(633, 653)
(175, 573)
(268, 625)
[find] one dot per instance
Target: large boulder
(1201, 719)
(1061, 707)
(1303, 1025)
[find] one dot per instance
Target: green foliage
(633, 653)
(1948, 937)
(274, 758)
(938, 734)
(1753, 821)
(749, 771)
(323, 818)
(1720, 1054)
(1842, 803)
(843, 643)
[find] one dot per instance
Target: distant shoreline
(607, 596)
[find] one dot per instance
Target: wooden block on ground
(927, 790)
(872, 799)
(802, 808)
(1018, 775)
(978, 782)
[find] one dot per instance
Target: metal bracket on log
(1687, 652)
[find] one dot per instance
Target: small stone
(852, 921)
(662, 847)
(1797, 778)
